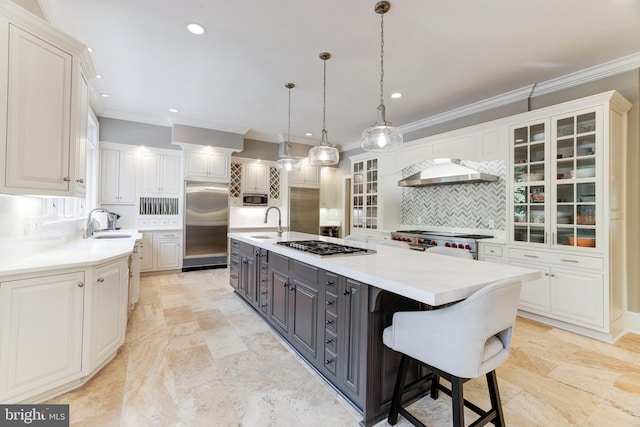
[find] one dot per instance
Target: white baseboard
(633, 322)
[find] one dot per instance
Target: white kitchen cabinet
(43, 126)
(308, 176)
(491, 252)
(168, 249)
(206, 164)
(364, 191)
(535, 295)
(162, 250)
(329, 188)
(255, 178)
(567, 209)
(41, 334)
(117, 177)
(160, 174)
(108, 312)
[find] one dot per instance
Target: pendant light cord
(286, 153)
(382, 59)
(324, 104)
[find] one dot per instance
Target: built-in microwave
(253, 199)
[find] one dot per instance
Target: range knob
(447, 244)
(434, 243)
(467, 247)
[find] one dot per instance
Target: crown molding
(598, 72)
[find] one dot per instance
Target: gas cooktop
(319, 247)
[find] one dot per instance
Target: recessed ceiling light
(173, 110)
(196, 29)
(104, 95)
(308, 134)
(396, 95)
(98, 76)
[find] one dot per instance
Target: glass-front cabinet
(365, 195)
(554, 173)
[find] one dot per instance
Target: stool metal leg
(494, 395)
(398, 389)
(457, 402)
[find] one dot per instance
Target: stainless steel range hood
(446, 172)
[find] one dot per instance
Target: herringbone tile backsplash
(459, 205)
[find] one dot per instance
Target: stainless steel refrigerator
(206, 221)
(304, 210)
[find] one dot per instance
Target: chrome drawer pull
(568, 260)
(531, 256)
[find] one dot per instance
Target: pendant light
(324, 154)
(288, 162)
(382, 136)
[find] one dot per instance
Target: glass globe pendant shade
(288, 163)
(382, 136)
(324, 155)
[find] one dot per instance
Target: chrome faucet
(92, 223)
(266, 214)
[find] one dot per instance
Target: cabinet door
(149, 171)
(529, 177)
(109, 179)
(279, 300)
(578, 296)
(248, 285)
(108, 311)
(41, 333)
(218, 166)
(146, 252)
(535, 295)
(197, 164)
(169, 256)
(305, 316)
(169, 179)
(39, 114)
(127, 178)
(82, 127)
(352, 351)
(256, 178)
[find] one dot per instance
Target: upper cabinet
(255, 178)
(117, 176)
(206, 163)
(160, 173)
(308, 176)
(329, 188)
(44, 119)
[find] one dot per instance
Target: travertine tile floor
(196, 355)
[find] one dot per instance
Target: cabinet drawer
(305, 271)
(330, 341)
(564, 259)
(331, 303)
(491, 250)
(278, 262)
(169, 234)
(331, 322)
(330, 361)
(246, 248)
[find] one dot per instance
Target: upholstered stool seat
(459, 342)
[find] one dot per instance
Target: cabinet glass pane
(565, 127)
(586, 123)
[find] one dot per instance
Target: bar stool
(459, 342)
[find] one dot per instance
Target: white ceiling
(440, 55)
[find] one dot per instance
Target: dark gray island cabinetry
(332, 309)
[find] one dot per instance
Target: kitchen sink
(111, 236)
(262, 237)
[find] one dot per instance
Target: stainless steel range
(422, 239)
(319, 247)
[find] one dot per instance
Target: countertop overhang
(77, 253)
(429, 278)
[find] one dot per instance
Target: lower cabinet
(344, 341)
(57, 330)
(109, 299)
(41, 334)
(574, 296)
(161, 250)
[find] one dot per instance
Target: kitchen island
(332, 309)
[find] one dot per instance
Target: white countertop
(77, 253)
(429, 278)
